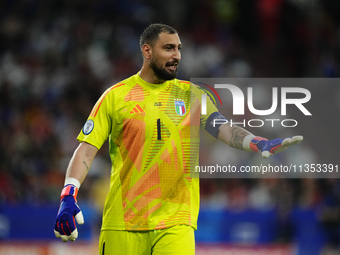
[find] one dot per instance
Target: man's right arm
(80, 163)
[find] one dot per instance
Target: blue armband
(214, 121)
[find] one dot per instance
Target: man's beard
(162, 73)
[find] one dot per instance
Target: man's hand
(267, 148)
(65, 226)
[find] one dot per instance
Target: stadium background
(58, 56)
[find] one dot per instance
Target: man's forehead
(166, 38)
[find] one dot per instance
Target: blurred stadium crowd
(58, 56)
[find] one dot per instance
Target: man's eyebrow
(172, 45)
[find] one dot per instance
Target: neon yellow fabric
(153, 133)
(175, 240)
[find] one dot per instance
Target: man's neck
(149, 76)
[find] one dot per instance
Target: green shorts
(174, 240)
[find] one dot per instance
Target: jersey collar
(151, 86)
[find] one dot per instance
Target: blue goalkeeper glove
(270, 147)
(65, 226)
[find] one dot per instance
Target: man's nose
(177, 55)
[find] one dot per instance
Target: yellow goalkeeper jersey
(153, 132)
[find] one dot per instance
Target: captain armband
(214, 121)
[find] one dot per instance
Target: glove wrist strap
(254, 142)
(69, 190)
(250, 142)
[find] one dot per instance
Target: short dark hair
(151, 33)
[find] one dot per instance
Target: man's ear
(147, 51)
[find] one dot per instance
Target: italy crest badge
(180, 107)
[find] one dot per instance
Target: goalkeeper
(151, 120)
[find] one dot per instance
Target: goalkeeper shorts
(174, 240)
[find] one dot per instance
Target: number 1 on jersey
(159, 137)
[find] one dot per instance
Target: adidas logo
(137, 109)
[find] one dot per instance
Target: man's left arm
(242, 139)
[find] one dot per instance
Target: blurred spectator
(330, 212)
